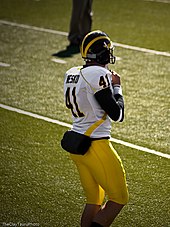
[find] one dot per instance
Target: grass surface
(39, 183)
(134, 22)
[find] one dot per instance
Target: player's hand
(115, 78)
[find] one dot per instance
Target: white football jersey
(79, 90)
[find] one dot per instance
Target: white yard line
(35, 115)
(25, 26)
(144, 149)
(143, 49)
(57, 60)
(167, 54)
(160, 1)
(2, 64)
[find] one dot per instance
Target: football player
(93, 93)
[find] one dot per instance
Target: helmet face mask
(112, 57)
(97, 47)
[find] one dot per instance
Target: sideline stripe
(69, 126)
(167, 54)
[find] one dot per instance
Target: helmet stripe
(84, 52)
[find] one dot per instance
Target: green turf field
(39, 185)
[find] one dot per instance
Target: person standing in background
(81, 21)
(80, 25)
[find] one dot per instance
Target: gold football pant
(101, 171)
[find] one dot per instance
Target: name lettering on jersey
(72, 79)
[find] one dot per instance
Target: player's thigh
(93, 191)
(108, 170)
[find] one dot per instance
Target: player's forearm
(112, 104)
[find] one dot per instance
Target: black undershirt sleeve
(111, 104)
